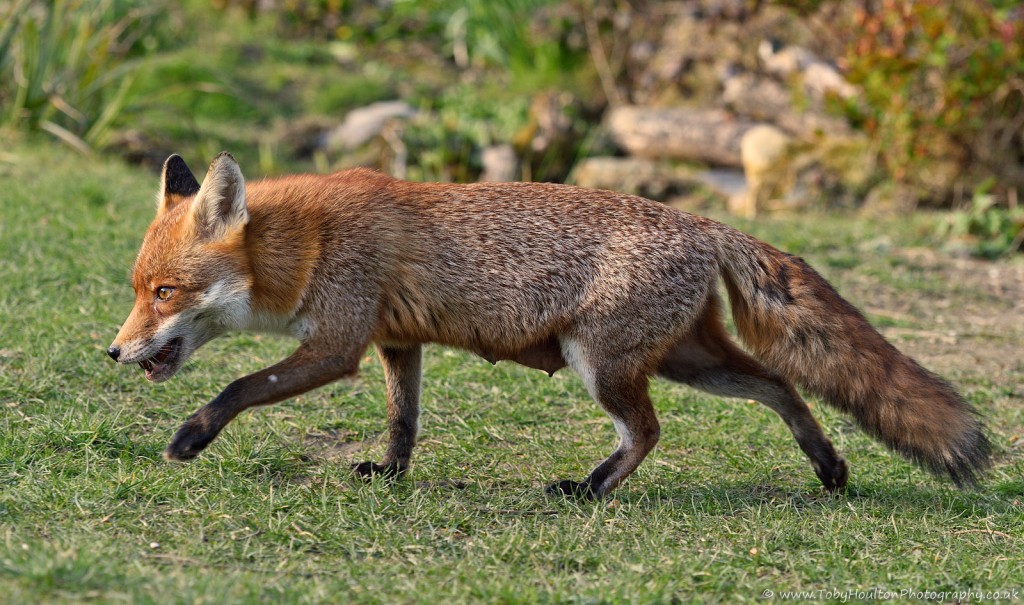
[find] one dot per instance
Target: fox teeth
(162, 357)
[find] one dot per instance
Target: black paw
(572, 489)
(834, 478)
(188, 442)
(370, 470)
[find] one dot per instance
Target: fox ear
(176, 184)
(219, 207)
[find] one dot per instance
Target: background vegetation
(725, 509)
(941, 101)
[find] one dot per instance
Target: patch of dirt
(337, 445)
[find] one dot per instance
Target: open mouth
(157, 366)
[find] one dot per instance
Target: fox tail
(796, 323)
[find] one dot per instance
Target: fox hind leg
(622, 392)
(708, 360)
(402, 373)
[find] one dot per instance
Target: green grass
(724, 509)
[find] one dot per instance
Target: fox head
(191, 278)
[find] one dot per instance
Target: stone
(767, 100)
(500, 164)
(818, 77)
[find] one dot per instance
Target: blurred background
(884, 107)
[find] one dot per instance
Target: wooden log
(711, 136)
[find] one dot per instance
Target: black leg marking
(370, 470)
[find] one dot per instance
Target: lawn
(725, 509)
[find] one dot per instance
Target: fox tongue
(153, 365)
(159, 361)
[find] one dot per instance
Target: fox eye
(164, 292)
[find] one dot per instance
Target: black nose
(114, 352)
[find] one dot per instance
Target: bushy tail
(796, 323)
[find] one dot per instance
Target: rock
(817, 76)
(365, 123)
(711, 136)
(821, 79)
(757, 97)
(688, 48)
(767, 100)
(784, 61)
(725, 10)
(500, 164)
(683, 41)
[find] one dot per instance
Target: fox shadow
(726, 498)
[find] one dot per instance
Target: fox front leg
(402, 373)
(305, 369)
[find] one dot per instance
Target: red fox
(617, 287)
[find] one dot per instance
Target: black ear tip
(224, 154)
(175, 161)
(178, 179)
